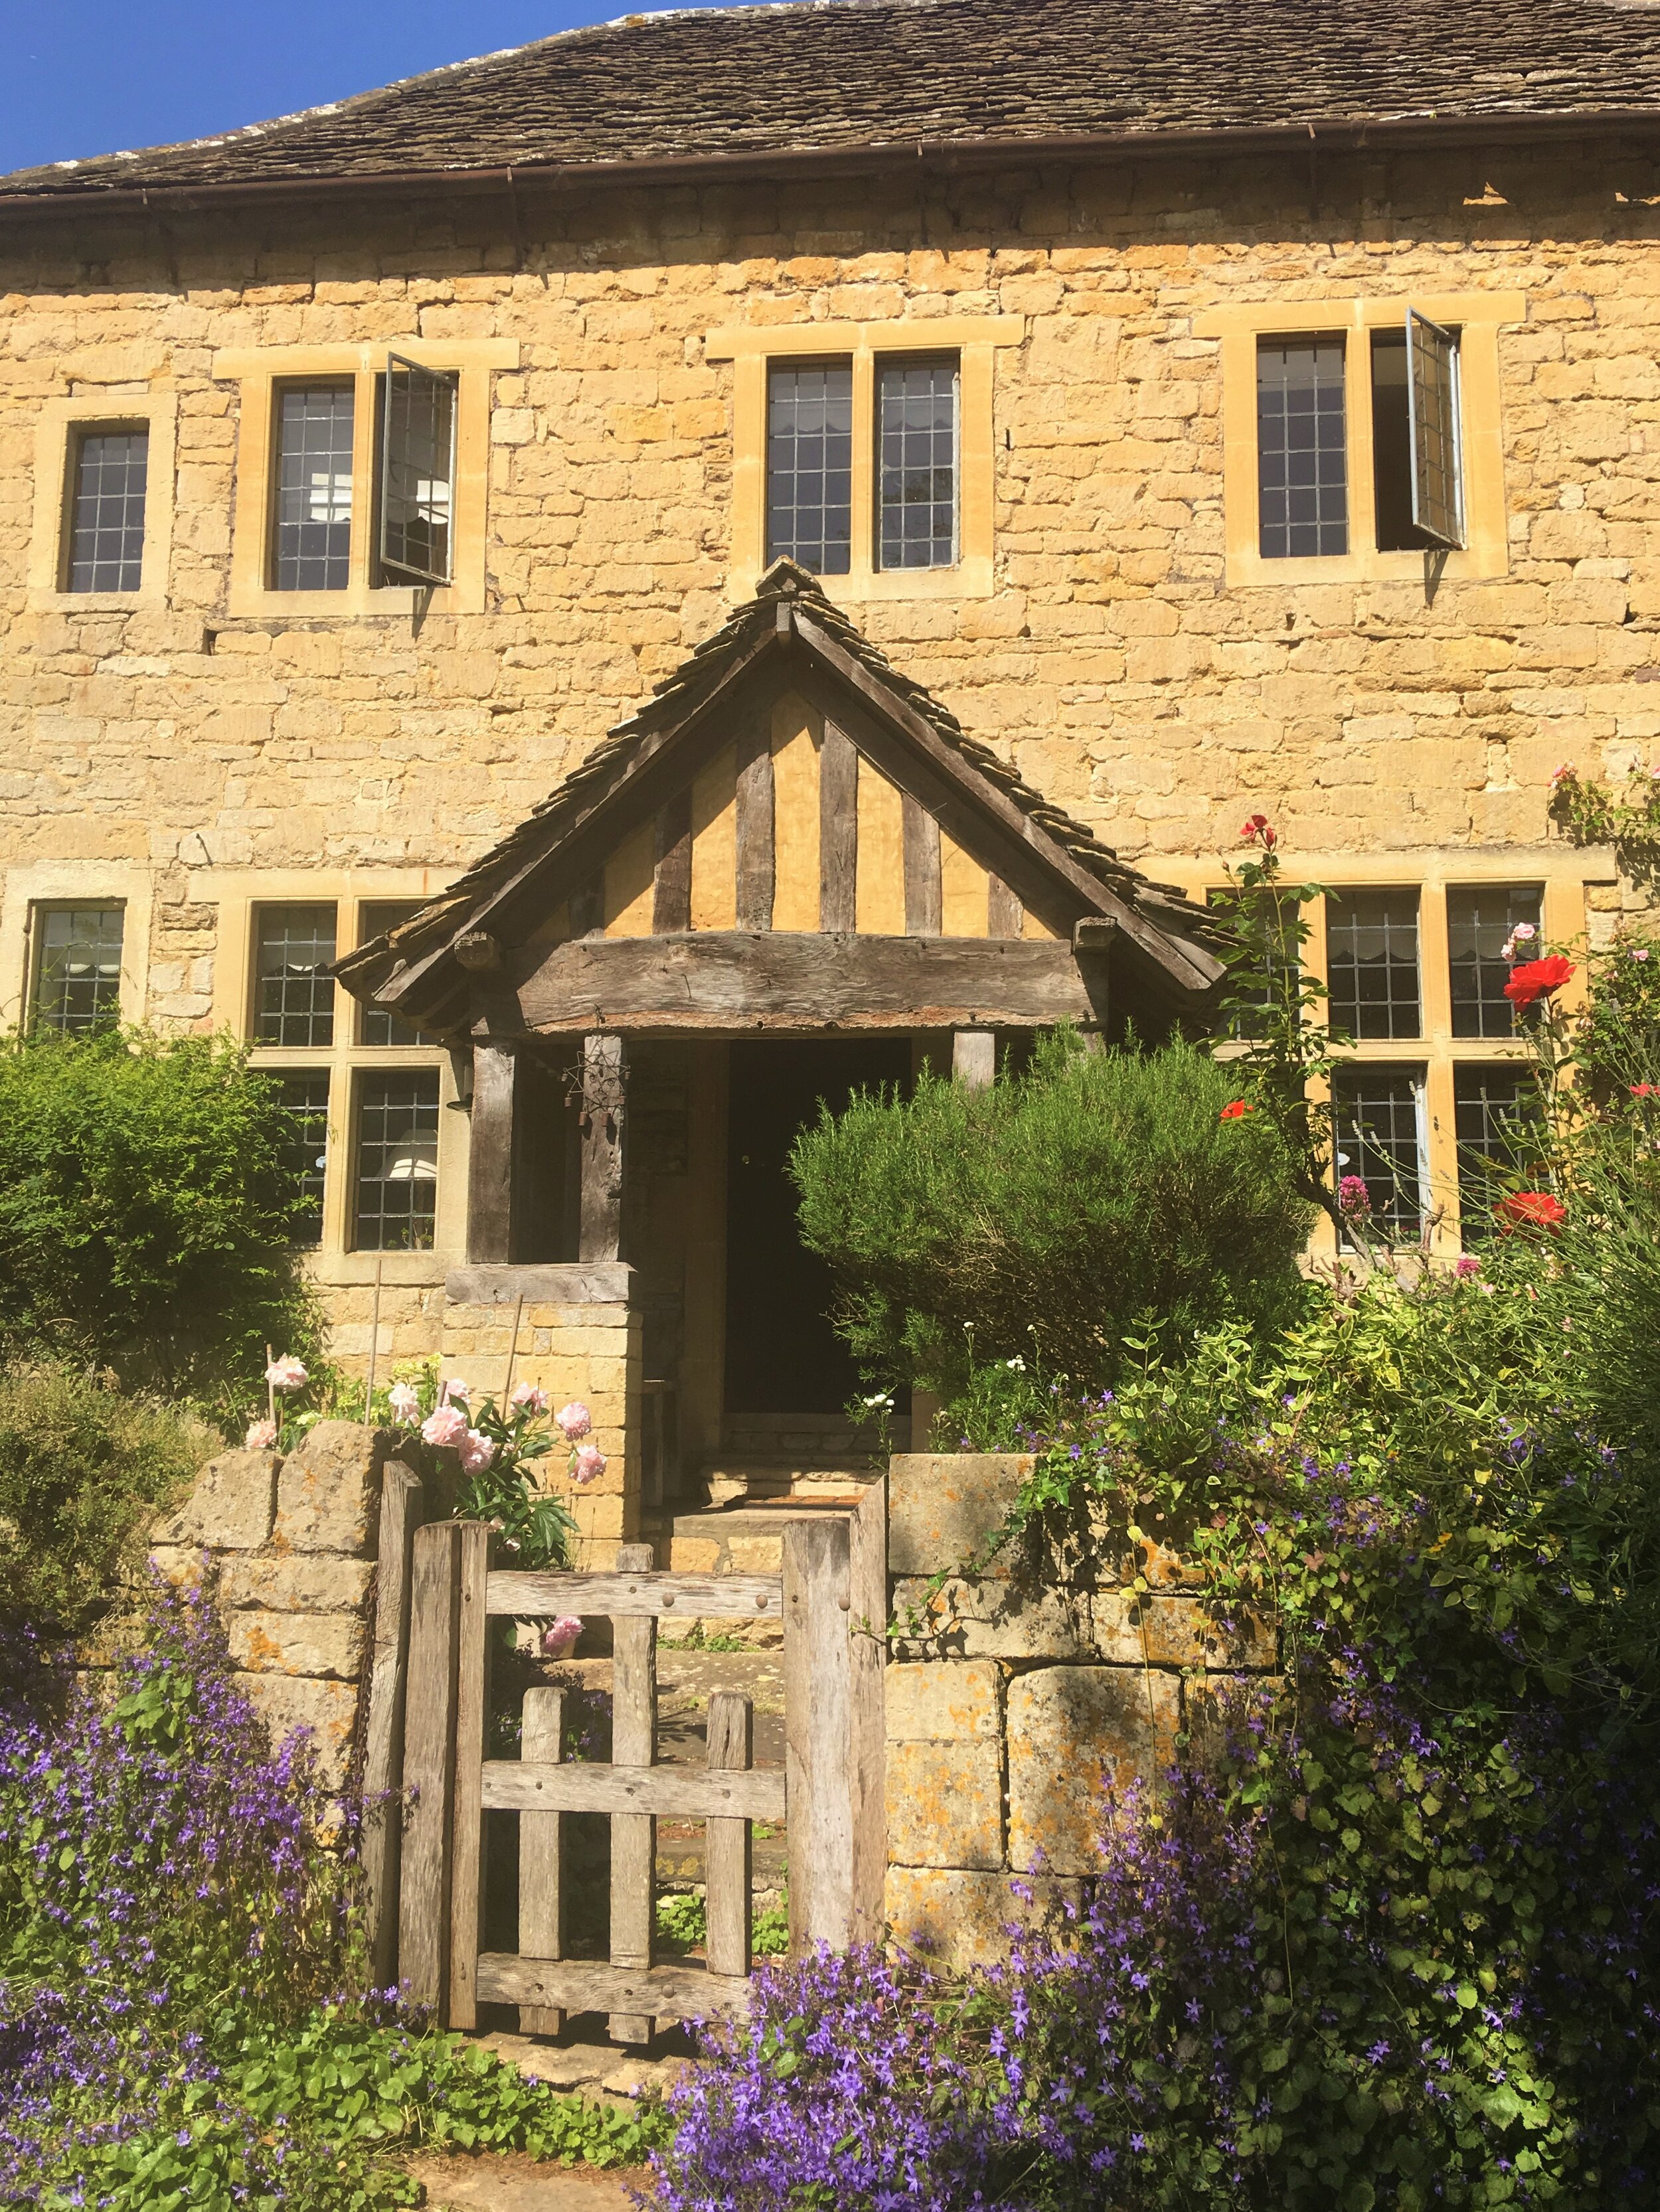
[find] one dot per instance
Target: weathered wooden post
(496, 1091)
(633, 1835)
(604, 1119)
(401, 1508)
(818, 1731)
(423, 1907)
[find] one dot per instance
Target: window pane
(1379, 1127)
(810, 467)
(313, 487)
(417, 465)
(1479, 926)
(1488, 1105)
(77, 977)
(1301, 463)
(307, 1098)
(294, 999)
(106, 522)
(1437, 497)
(1277, 962)
(1371, 961)
(375, 1025)
(397, 1160)
(918, 490)
(1391, 445)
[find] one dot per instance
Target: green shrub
(82, 1468)
(1041, 1219)
(146, 1204)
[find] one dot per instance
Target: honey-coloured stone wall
(1012, 1707)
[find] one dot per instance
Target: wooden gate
(831, 1601)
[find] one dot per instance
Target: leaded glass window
(77, 968)
(1372, 963)
(1302, 453)
(1438, 491)
(314, 428)
(810, 466)
(306, 1154)
(106, 550)
(417, 470)
(1379, 1127)
(918, 428)
(397, 1154)
(293, 998)
(1491, 1105)
(1480, 923)
(379, 1024)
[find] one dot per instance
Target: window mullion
(364, 461)
(864, 561)
(1356, 394)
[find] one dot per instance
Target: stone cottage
(586, 601)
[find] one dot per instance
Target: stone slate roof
(433, 932)
(837, 76)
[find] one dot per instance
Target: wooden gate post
(541, 1862)
(868, 1751)
(401, 1505)
(467, 1826)
(423, 1912)
(633, 1835)
(818, 1731)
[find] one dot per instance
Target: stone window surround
(258, 371)
(238, 894)
(1438, 1051)
(1478, 317)
(974, 339)
(74, 883)
(60, 423)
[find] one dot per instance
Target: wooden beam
(401, 1509)
(923, 903)
(727, 1847)
(838, 830)
(672, 1793)
(756, 862)
(584, 1985)
(605, 1118)
(720, 980)
(490, 1156)
(587, 908)
(631, 1596)
(670, 894)
(541, 1855)
(974, 1058)
(423, 1903)
(467, 1818)
(633, 1834)
(817, 1731)
(867, 1609)
(1004, 915)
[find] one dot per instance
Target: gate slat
(588, 1985)
(623, 1596)
(817, 1731)
(726, 1844)
(471, 1698)
(633, 1835)
(541, 1873)
(673, 1793)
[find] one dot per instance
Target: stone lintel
(581, 1283)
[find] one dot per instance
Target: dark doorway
(782, 1355)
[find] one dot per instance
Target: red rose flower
(1236, 1112)
(1641, 1089)
(1258, 826)
(1535, 979)
(1531, 1209)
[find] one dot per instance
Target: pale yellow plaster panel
(974, 339)
(715, 843)
(797, 734)
(629, 881)
(258, 371)
(59, 423)
(879, 880)
(1479, 316)
(965, 892)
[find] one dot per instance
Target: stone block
(326, 1712)
(300, 1581)
(693, 1555)
(1073, 1731)
(328, 1492)
(990, 1620)
(945, 1701)
(944, 1507)
(945, 1804)
(956, 1919)
(230, 1506)
(324, 1645)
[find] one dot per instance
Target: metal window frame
(883, 363)
(1432, 357)
(35, 949)
(362, 1080)
(791, 365)
(398, 366)
(79, 431)
(1416, 1072)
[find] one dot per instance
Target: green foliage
(1039, 1219)
(84, 1468)
(146, 1205)
(1589, 814)
(682, 1921)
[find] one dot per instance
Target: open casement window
(1437, 489)
(417, 472)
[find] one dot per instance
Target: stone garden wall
(290, 1543)
(1014, 1703)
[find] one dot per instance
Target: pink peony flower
(455, 1392)
(261, 1437)
(1639, 952)
(559, 1637)
(287, 1373)
(1467, 1267)
(1353, 1198)
(447, 1425)
(589, 1463)
(530, 1396)
(1524, 933)
(574, 1419)
(476, 1449)
(403, 1401)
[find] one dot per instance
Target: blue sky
(98, 76)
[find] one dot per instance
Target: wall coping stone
(585, 1283)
